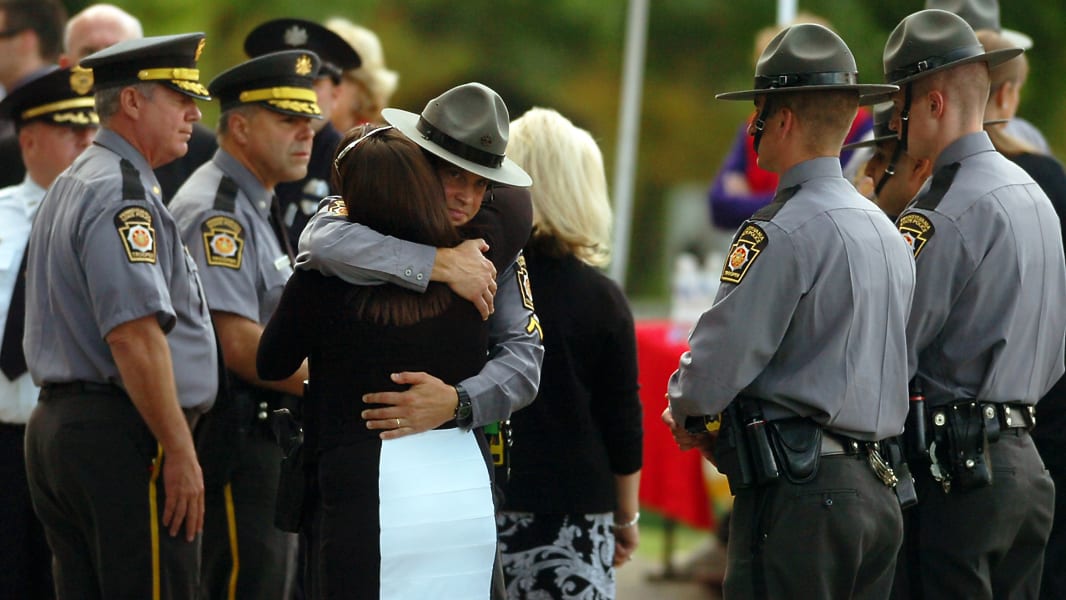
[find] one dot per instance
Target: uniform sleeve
(942, 267)
(224, 248)
(738, 336)
(333, 245)
(286, 339)
(510, 378)
(615, 398)
(118, 250)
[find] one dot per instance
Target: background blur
(567, 55)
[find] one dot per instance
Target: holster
(292, 477)
(500, 437)
(960, 444)
(743, 449)
(797, 446)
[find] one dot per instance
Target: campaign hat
(59, 96)
(808, 57)
(467, 126)
(982, 14)
(280, 81)
(169, 60)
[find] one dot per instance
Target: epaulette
(132, 188)
(942, 181)
(226, 195)
(767, 212)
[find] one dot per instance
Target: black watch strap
(464, 412)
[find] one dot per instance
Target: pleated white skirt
(438, 529)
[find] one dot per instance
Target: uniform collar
(259, 197)
(823, 166)
(118, 144)
(965, 146)
(31, 195)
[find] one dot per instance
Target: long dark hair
(389, 186)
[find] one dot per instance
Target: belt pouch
(732, 454)
(797, 446)
(967, 444)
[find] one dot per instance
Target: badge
(917, 230)
(134, 225)
(303, 65)
(523, 283)
(223, 244)
(337, 207)
(745, 249)
(295, 36)
(81, 80)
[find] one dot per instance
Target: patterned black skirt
(557, 556)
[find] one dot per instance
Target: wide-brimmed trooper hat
(466, 126)
(932, 40)
(982, 14)
(808, 57)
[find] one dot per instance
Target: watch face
(464, 411)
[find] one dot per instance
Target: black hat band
(763, 82)
(460, 149)
(935, 62)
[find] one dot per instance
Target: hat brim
(186, 88)
(508, 173)
(993, 58)
(1017, 38)
(293, 108)
(869, 93)
(869, 142)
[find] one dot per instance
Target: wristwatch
(464, 412)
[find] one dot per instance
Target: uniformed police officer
(804, 348)
(987, 326)
(224, 213)
(298, 200)
(119, 337)
(54, 122)
(891, 176)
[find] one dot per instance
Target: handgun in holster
(959, 451)
(292, 480)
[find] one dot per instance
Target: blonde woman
(569, 515)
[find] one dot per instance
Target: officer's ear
(937, 102)
(239, 126)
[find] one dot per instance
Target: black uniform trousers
(95, 477)
(244, 554)
(25, 560)
(835, 537)
(986, 542)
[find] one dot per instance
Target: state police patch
(134, 225)
(917, 230)
(223, 242)
(745, 249)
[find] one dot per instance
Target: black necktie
(279, 229)
(12, 359)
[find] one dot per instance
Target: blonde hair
(1014, 72)
(571, 212)
(379, 81)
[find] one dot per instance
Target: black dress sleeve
(286, 340)
(505, 222)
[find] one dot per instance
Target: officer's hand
(184, 484)
(468, 273)
(626, 540)
(704, 442)
(427, 404)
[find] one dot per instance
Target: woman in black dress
(408, 517)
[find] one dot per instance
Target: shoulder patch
(917, 230)
(524, 285)
(223, 241)
(337, 207)
(745, 249)
(134, 225)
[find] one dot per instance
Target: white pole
(786, 11)
(628, 135)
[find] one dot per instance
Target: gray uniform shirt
(988, 319)
(105, 251)
(357, 254)
(223, 214)
(811, 314)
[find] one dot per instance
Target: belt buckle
(880, 466)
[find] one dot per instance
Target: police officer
(299, 199)
(119, 338)
(224, 213)
(805, 346)
(987, 326)
(55, 121)
(891, 176)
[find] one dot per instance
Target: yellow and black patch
(524, 285)
(745, 249)
(917, 230)
(223, 242)
(534, 325)
(337, 207)
(134, 225)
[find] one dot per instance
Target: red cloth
(671, 482)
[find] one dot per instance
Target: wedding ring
(398, 423)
